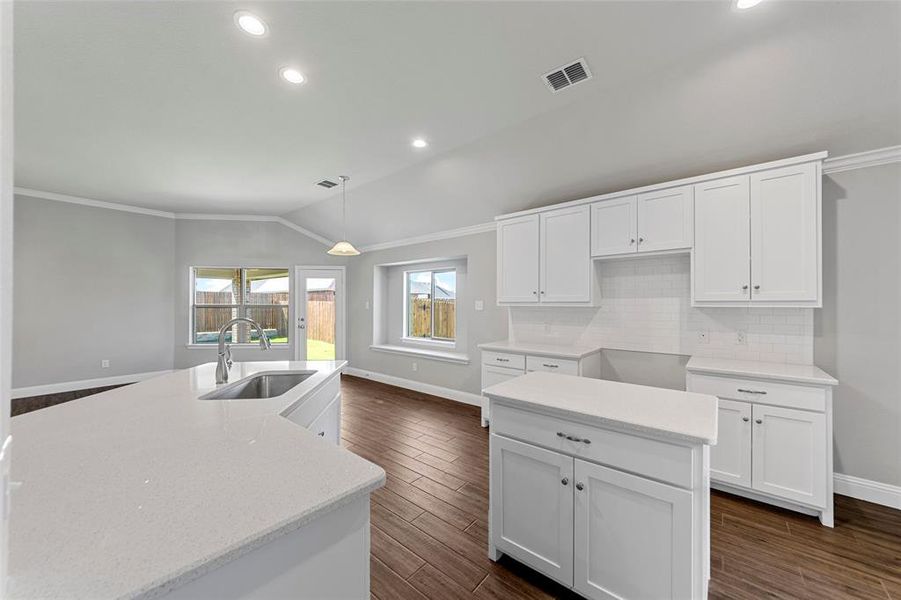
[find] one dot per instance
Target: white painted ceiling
(167, 105)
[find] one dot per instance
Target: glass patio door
(319, 313)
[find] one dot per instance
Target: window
(223, 293)
(431, 299)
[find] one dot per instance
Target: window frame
(240, 309)
(432, 339)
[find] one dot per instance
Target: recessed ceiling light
(292, 75)
(419, 143)
(250, 24)
(743, 4)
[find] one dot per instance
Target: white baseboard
(417, 386)
(83, 384)
(870, 491)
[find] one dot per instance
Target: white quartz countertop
(648, 410)
(574, 352)
(135, 491)
(765, 370)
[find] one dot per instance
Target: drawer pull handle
(549, 365)
(564, 481)
(573, 438)
(506, 360)
(743, 391)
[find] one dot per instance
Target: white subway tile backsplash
(646, 306)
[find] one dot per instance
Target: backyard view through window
(431, 305)
(320, 318)
(222, 293)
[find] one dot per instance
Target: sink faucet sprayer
(225, 352)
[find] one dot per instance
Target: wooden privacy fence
(421, 318)
(321, 318)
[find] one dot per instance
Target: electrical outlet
(367, 305)
(480, 305)
(703, 336)
(104, 364)
(741, 337)
(415, 367)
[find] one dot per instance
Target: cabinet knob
(756, 287)
(542, 292)
(534, 293)
(579, 486)
(744, 287)
(321, 434)
(632, 241)
(564, 481)
(758, 421)
(746, 419)
(640, 240)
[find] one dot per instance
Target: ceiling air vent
(326, 183)
(567, 75)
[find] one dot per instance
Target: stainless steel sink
(262, 385)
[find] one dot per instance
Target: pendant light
(343, 247)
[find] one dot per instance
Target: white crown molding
(865, 489)
(433, 237)
(861, 160)
(31, 193)
(83, 384)
(417, 386)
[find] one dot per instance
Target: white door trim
(341, 306)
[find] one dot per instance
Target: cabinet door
(730, 459)
(517, 259)
(720, 269)
(613, 227)
(565, 255)
(790, 454)
(784, 241)
(532, 506)
(632, 536)
(665, 220)
(328, 424)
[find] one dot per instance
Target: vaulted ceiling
(168, 105)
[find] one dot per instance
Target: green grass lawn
(319, 350)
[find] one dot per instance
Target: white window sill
(426, 342)
(215, 346)
(452, 357)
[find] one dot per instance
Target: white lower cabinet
(730, 459)
(585, 506)
(533, 492)
(633, 536)
(790, 454)
(774, 441)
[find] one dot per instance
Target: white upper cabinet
(545, 258)
(565, 263)
(757, 239)
(784, 240)
(517, 259)
(665, 219)
(614, 227)
(722, 234)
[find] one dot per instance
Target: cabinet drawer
(760, 392)
(671, 463)
(552, 365)
(514, 361)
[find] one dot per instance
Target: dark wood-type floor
(429, 537)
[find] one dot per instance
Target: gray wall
(487, 325)
(858, 330)
(235, 244)
(89, 284)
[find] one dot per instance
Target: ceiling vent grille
(567, 75)
(326, 183)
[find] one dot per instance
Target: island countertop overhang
(658, 412)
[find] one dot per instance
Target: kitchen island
(149, 490)
(602, 486)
